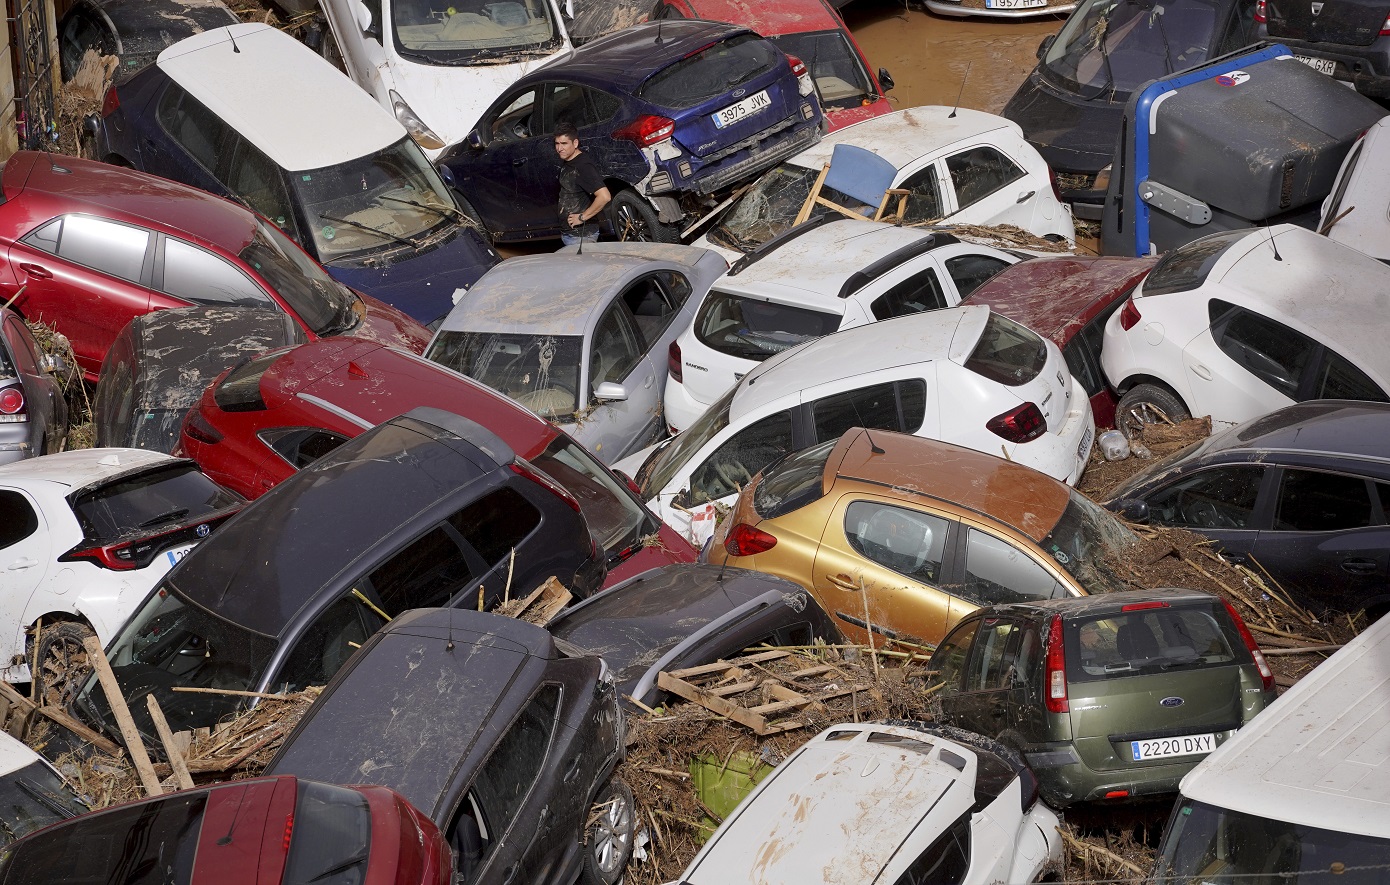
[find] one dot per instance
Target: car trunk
(1030, 368)
(699, 134)
(1349, 22)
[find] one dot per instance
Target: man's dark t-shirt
(579, 180)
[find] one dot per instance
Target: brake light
(1261, 14)
(1056, 680)
(647, 130)
(1019, 425)
(1117, 794)
(289, 830)
(110, 102)
(523, 468)
(117, 557)
(803, 78)
(1384, 29)
(1129, 316)
(1266, 674)
(196, 427)
(798, 66)
(673, 363)
(12, 408)
(744, 540)
(1056, 187)
(1142, 606)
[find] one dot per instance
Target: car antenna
(1273, 245)
(232, 37)
(873, 446)
(658, 31)
(960, 92)
(227, 839)
(449, 646)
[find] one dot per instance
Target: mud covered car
(134, 31)
(505, 737)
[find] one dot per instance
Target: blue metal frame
(1144, 107)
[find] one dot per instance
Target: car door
(617, 356)
(987, 187)
(1244, 365)
(88, 277)
(993, 570)
(510, 179)
(25, 552)
(1220, 502)
(983, 702)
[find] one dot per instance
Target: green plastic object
(721, 785)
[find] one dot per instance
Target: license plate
(1321, 65)
(176, 554)
(1085, 447)
(746, 108)
(1014, 4)
(1163, 748)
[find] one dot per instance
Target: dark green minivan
(1107, 697)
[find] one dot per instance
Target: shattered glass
(771, 205)
(539, 371)
(1087, 541)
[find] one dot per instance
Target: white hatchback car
(962, 167)
(963, 375)
(1357, 212)
(887, 803)
(84, 535)
(1240, 323)
(827, 275)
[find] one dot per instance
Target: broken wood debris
(540, 605)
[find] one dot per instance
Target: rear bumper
(681, 409)
(767, 148)
(1365, 67)
(1063, 779)
(958, 9)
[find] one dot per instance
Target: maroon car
(267, 831)
(88, 247)
(1068, 301)
(261, 421)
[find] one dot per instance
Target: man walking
(582, 191)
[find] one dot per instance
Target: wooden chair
(861, 174)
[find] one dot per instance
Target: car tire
(634, 219)
(1147, 404)
(58, 663)
(472, 215)
(608, 841)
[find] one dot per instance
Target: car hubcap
(612, 832)
(631, 225)
(1141, 415)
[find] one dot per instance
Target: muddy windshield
(1089, 542)
(1108, 47)
(435, 32)
(388, 199)
(839, 75)
(663, 464)
(771, 205)
(539, 371)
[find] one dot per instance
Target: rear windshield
(332, 836)
(539, 371)
(33, 797)
(240, 391)
(1187, 266)
(752, 329)
(615, 519)
(793, 483)
(709, 73)
(1150, 640)
(1007, 353)
(177, 492)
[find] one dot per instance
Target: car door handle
(842, 581)
(1201, 371)
(35, 271)
(519, 161)
(1023, 197)
(1359, 566)
(21, 564)
(648, 382)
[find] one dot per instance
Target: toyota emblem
(202, 530)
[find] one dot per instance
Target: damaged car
(33, 404)
(506, 738)
(32, 792)
(133, 31)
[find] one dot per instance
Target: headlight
(423, 135)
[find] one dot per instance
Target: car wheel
(331, 52)
(473, 217)
(58, 663)
(1147, 404)
(635, 219)
(608, 840)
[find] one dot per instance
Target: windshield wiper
(47, 799)
(442, 213)
(338, 868)
(371, 230)
(167, 516)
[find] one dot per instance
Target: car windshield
(755, 328)
(322, 303)
(663, 464)
(1151, 640)
(1188, 266)
(1208, 844)
(388, 199)
(539, 371)
(33, 797)
(1114, 46)
(176, 492)
(1088, 542)
(839, 75)
(710, 72)
(771, 205)
(434, 32)
(616, 521)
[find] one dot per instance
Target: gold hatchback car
(906, 536)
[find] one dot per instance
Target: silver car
(33, 413)
(582, 338)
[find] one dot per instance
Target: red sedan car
(1068, 301)
(263, 420)
(267, 831)
(88, 246)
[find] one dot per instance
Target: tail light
(198, 428)
(110, 102)
(647, 130)
(1056, 678)
(1266, 674)
(673, 363)
(523, 468)
(1261, 13)
(1052, 179)
(1142, 606)
(1384, 29)
(744, 540)
(1129, 315)
(1019, 425)
(12, 407)
(803, 78)
(117, 557)
(289, 831)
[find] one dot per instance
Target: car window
(253, 177)
(1269, 350)
(17, 518)
(998, 572)
(1161, 638)
(167, 493)
(650, 307)
(328, 642)
(496, 524)
(945, 860)
(201, 277)
(197, 130)
(753, 329)
(949, 658)
(924, 201)
(21, 343)
(427, 573)
(301, 446)
(918, 293)
(578, 105)
(969, 272)
(1082, 367)
(616, 349)
(115, 249)
(979, 172)
(874, 407)
(1312, 501)
(909, 542)
(1007, 352)
(993, 656)
(1223, 497)
(735, 462)
(1339, 379)
(513, 123)
(835, 66)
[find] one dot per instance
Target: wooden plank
(95, 738)
(171, 750)
(229, 691)
(733, 688)
(811, 671)
(129, 733)
(695, 694)
(725, 665)
(554, 596)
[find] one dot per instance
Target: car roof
(843, 356)
(1104, 604)
(1317, 755)
(1026, 499)
(125, 194)
(623, 60)
(81, 467)
(903, 136)
(280, 95)
(1338, 428)
(409, 707)
(771, 19)
(1056, 297)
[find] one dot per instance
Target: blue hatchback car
(675, 112)
(249, 113)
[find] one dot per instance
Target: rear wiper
(442, 213)
(371, 230)
(45, 798)
(338, 868)
(167, 516)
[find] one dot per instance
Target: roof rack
(861, 278)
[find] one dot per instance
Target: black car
(424, 510)
(135, 31)
(687, 615)
(161, 362)
(1302, 494)
(505, 737)
(1348, 40)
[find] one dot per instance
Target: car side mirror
(682, 499)
(1045, 45)
(885, 79)
(476, 140)
(1132, 509)
(53, 364)
(365, 21)
(610, 392)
